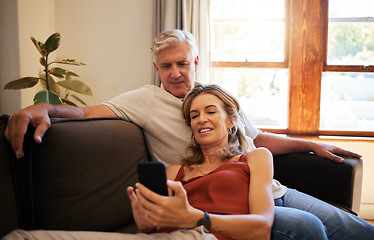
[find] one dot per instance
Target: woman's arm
(256, 225)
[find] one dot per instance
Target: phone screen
(153, 176)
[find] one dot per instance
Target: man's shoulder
(159, 94)
(146, 91)
(147, 88)
(149, 96)
(152, 89)
(139, 96)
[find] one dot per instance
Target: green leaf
(70, 73)
(58, 71)
(69, 102)
(68, 77)
(52, 42)
(78, 99)
(53, 87)
(77, 86)
(40, 46)
(45, 96)
(70, 61)
(56, 74)
(61, 72)
(21, 83)
(42, 61)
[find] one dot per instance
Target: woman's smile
(204, 130)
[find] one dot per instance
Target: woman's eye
(194, 116)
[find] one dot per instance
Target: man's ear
(156, 68)
(196, 62)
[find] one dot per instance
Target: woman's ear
(232, 122)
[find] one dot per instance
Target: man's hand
(333, 152)
(280, 145)
(37, 116)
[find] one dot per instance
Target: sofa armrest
(8, 210)
(337, 183)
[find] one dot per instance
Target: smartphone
(153, 176)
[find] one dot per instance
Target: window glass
(347, 101)
(248, 30)
(262, 93)
(351, 32)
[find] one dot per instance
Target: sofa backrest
(76, 179)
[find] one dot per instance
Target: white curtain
(188, 15)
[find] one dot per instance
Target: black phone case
(153, 176)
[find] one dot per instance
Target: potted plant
(53, 78)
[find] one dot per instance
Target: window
(249, 57)
(347, 97)
(297, 67)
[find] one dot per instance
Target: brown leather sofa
(76, 178)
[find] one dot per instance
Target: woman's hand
(173, 211)
(139, 213)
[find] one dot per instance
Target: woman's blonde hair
(237, 142)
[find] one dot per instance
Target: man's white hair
(171, 38)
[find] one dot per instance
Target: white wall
(35, 18)
(112, 36)
(9, 55)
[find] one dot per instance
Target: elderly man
(158, 111)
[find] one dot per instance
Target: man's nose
(175, 73)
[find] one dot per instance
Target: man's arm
(281, 145)
(39, 115)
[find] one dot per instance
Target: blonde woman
(219, 185)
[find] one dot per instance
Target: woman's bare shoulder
(172, 171)
(259, 155)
